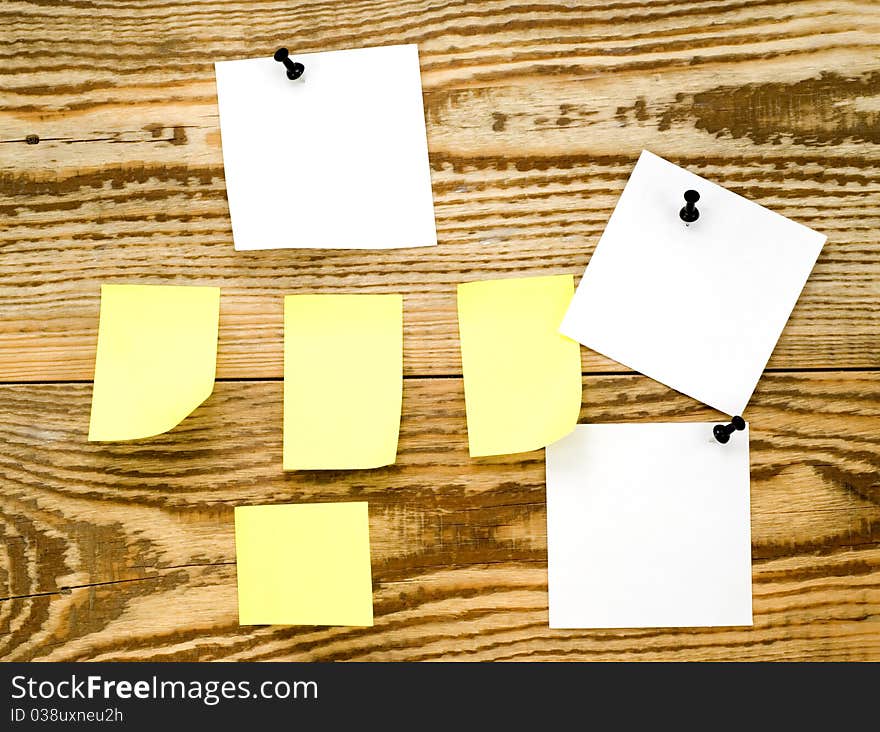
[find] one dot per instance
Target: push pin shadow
(723, 432)
(294, 68)
(689, 212)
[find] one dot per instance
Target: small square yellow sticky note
(522, 379)
(156, 358)
(343, 380)
(304, 564)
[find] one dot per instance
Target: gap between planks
(426, 377)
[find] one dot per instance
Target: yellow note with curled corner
(156, 358)
(522, 379)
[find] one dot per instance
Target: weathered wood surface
(536, 113)
(127, 551)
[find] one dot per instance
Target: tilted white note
(335, 159)
(699, 307)
(648, 526)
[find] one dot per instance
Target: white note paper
(699, 307)
(648, 526)
(335, 159)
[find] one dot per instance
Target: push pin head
(689, 213)
(294, 68)
(723, 432)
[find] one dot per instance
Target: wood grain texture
(536, 113)
(127, 551)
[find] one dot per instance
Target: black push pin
(689, 213)
(294, 68)
(723, 432)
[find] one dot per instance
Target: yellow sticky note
(156, 359)
(343, 380)
(304, 564)
(522, 379)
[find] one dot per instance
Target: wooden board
(536, 114)
(127, 552)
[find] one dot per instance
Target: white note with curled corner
(335, 159)
(648, 527)
(698, 307)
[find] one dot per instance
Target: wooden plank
(535, 115)
(126, 551)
